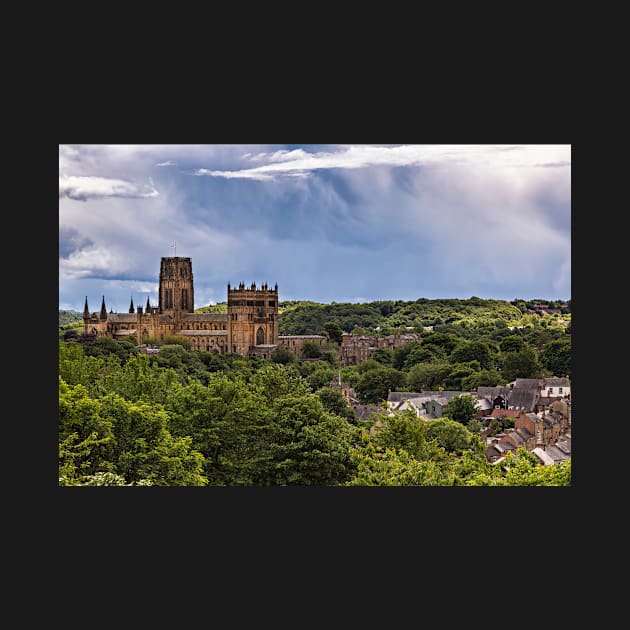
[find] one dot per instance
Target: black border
(298, 514)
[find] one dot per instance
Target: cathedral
(249, 328)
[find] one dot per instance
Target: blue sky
(344, 223)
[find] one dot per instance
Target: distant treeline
(69, 317)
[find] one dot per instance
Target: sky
(342, 223)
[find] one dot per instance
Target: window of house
(560, 390)
(551, 390)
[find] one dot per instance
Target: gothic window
(260, 337)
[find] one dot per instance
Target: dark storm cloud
(70, 240)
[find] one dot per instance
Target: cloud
(167, 163)
(70, 240)
(297, 161)
(82, 188)
(327, 222)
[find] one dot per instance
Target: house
(554, 453)
(556, 387)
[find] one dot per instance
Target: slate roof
(492, 392)
(528, 383)
(524, 433)
(557, 382)
(398, 396)
(556, 453)
(545, 400)
(513, 437)
(543, 456)
(492, 453)
(523, 399)
(363, 412)
(564, 446)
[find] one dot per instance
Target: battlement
(243, 288)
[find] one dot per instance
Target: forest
(188, 417)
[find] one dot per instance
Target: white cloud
(167, 163)
(91, 261)
(82, 188)
(491, 156)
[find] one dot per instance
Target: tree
(305, 445)
(418, 354)
(320, 377)
(335, 403)
(461, 409)
(556, 357)
(311, 350)
(334, 331)
(395, 468)
(427, 376)
(374, 385)
(472, 351)
(451, 435)
(522, 364)
(383, 355)
(512, 343)
(488, 378)
(459, 372)
(283, 355)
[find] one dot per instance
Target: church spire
(103, 309)
(131, 309)
(86, 310)
(148, 305)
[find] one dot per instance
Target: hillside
(302, 318)
(69, 317)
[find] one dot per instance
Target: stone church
(250, 327)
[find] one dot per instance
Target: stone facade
(357, 348)
(250, 327)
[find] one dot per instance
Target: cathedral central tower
(176, 286)
(252, 317)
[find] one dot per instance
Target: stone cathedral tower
(252, 317)
(176, 287)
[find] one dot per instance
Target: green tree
(321, 378)
(392, 467)
(451, 435)
(556, 357)
(334, 331)
(311, 350)
(523, 364)
(472, 351)
(384, 356)
(487, 378)
(428, 376)
(461, 409)
(512, 343)
(374, 385)
(282, 355)
(306, 445)
(335, 403)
